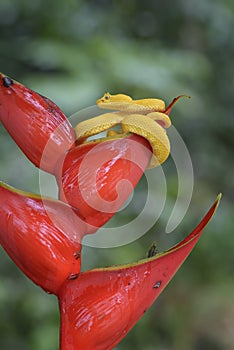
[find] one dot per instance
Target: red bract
(42, 237)
(97, 177)
(102, 305)
(36, 124)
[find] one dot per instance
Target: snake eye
(107, 97)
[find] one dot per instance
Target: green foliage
(74, 51)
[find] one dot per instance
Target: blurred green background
(72, 52)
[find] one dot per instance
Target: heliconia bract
(42, 236)
(37, 125)
(98, 177)
(102, 305)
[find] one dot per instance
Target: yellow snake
(143, 117)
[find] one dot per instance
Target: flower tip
(217, 201)
(215, 205)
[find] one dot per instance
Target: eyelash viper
(146, 117)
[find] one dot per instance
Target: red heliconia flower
(102, 305)
(42, 236)
(97, 177)
(36, 124)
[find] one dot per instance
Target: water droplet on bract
(157, 284)
(73, 276)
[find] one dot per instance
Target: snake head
(109, 101)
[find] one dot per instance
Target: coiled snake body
(145, 117)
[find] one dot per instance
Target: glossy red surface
(42, 237)
(102, 305)
(36, 124)
(98, 177)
